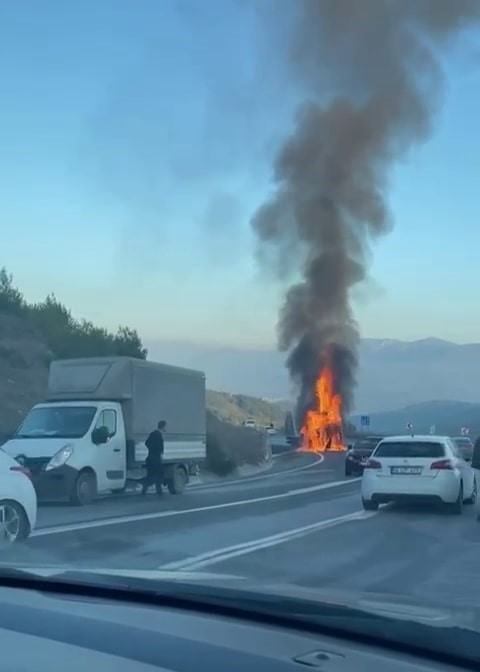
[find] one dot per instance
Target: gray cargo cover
(148, 391)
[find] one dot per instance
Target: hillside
(236, 408)
(24, 358)
(392, 373)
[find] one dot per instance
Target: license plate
(406, 470)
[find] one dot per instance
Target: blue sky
(137, 138)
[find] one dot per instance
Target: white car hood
(34, 447)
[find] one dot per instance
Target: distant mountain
(392, 374)
(447, 417)
(259, 373)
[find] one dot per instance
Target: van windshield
(62, 422)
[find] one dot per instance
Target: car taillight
(22, 470)
(372, 464)
(442, 464)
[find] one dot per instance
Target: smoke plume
(372, 82)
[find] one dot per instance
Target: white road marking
(132, 490)
(121, 520)
(260, 477)
(222, 554)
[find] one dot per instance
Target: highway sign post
(365, 420)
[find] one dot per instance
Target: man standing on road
(155, 447)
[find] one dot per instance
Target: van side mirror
(100, 435)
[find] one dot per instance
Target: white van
(88, 438)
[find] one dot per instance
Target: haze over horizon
(392, 373)
(212, 344)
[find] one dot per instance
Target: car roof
(408, 438)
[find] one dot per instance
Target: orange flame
(322, 429)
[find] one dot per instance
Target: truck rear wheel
(176, 484)
(84, 489)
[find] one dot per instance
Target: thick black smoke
(372, 79)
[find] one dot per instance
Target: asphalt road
(302, 523)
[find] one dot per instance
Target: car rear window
(463, 443)
(368, 444)
(410, 449)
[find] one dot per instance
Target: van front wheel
(84, 489)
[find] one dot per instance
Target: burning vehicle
(322, 428)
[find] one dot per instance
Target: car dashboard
(55, 632)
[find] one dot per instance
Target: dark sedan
(359, 454)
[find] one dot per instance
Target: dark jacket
(155, 446)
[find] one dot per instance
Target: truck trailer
(88, 437)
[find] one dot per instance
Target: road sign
(465, 431)
(365, 420)
(432, 429)
(410, 426)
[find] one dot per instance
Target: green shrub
(218, 460)
(250, 448)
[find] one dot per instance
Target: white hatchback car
(423, 468)
(18, 501)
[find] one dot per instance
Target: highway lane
(408, 551)
(302, 527)
(148, 533)
(294, 468)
